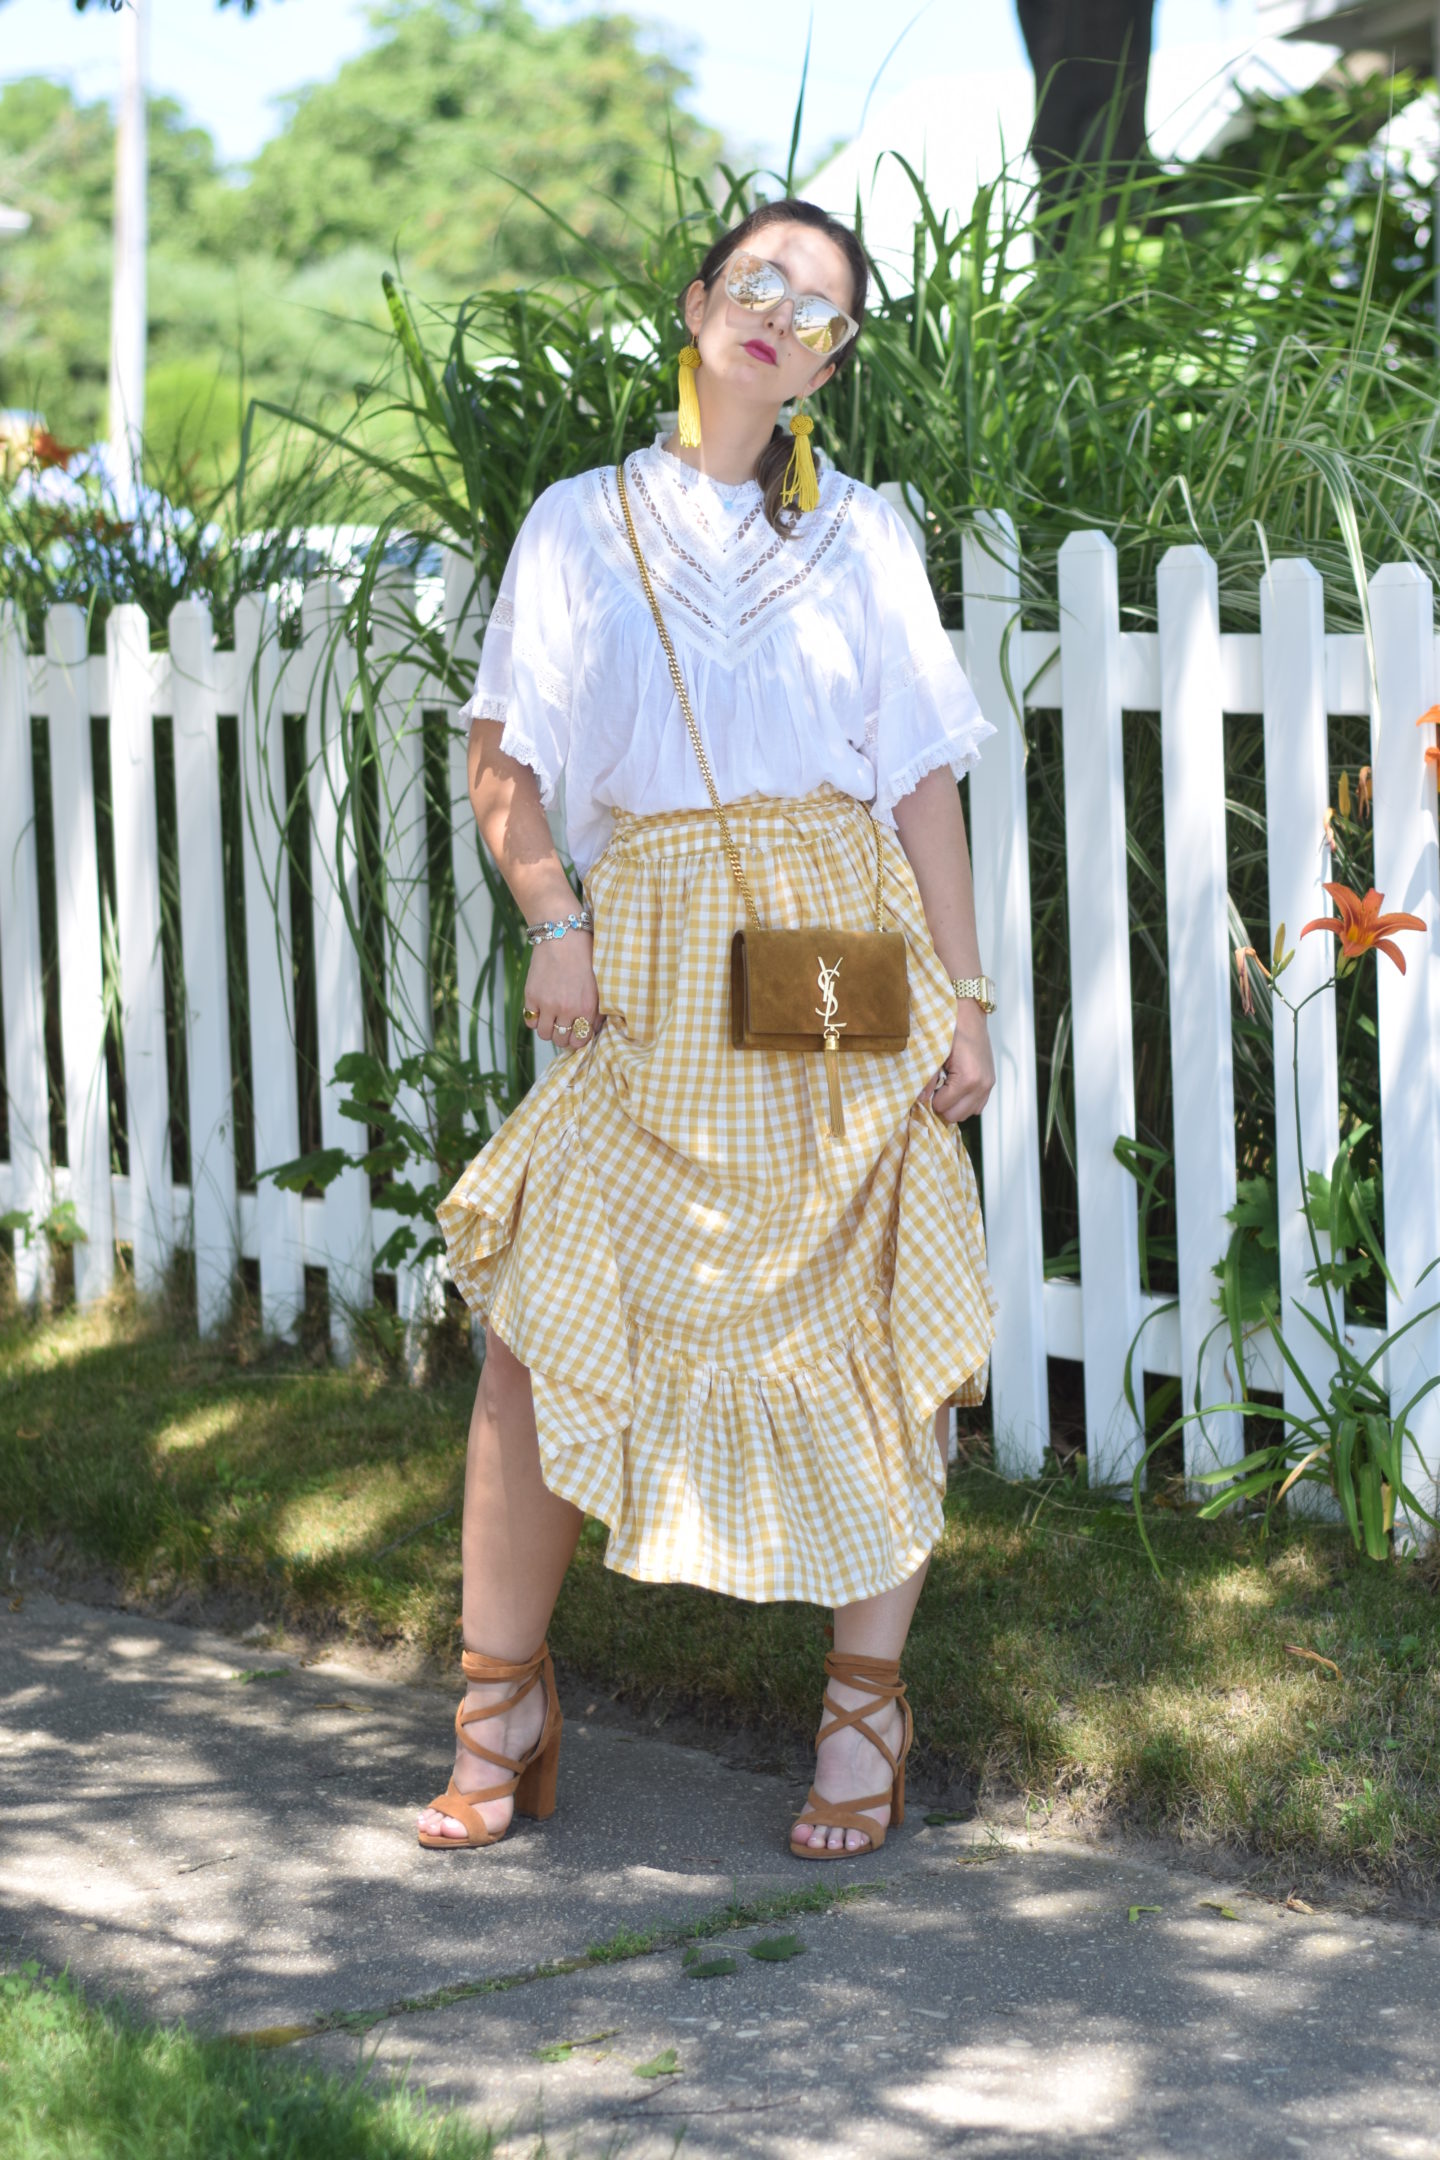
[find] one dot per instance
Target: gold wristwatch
(979, 987)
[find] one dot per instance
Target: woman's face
(756, 356)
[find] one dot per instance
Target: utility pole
(127, 294)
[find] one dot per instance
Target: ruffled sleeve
(526, 660)
(920, 712)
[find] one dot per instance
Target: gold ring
(582, 1030)
(563, 1027)
(530, 1016)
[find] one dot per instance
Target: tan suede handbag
(861, 976)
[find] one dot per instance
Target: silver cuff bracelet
(540, 933)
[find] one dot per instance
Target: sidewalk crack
(618, 1949)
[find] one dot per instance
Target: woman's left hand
(969, 1075)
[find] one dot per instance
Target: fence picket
(339, 1010)
(77, 927)
(1102, 1057)
(137, 895)
(215, 1219)
(1196, 886)
(481, 1019)
(407, 895)
(21, 973)
(1402, 613)
(268, 964)
(1010, 1123)
(1297, 763)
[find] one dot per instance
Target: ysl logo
(826, 1012)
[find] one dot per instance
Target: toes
(434, 1824)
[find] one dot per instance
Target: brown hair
(771, 464)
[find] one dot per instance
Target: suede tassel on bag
(689, 398)
(832, 1083)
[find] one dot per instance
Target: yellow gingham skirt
(738, 1328)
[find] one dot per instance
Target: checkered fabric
(738, 1327)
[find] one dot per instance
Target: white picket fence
(1193, 674)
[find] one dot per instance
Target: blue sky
(746, 54)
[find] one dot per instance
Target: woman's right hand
(561, 988)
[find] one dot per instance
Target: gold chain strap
(737, 867)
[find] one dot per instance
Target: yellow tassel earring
(689, 398)
(800, 484)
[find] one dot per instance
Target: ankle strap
(477, 1666)
(877, 1676)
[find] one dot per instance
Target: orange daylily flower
(45, 450)
(1432, 755)
(1360, 926)
(1342, 795)
(1364, 792)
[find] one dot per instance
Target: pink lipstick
(759, 350)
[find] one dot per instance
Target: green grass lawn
(81, 2083)
(1046, 1657)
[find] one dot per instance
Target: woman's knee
(504, 1381)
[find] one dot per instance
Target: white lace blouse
(816, 658)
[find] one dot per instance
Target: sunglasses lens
(752, 283)
(818, 327)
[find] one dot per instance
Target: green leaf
(665, 2064)
(1358, 1198)
(365, 1075)
(1214, 1905)
(1256, 1208)
(393, 1251)
(712, 1968)
(320, 1167)
(62, 1225)
(775, 1949)
(1136, 1910)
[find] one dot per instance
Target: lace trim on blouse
(722, 574)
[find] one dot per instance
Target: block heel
(535, 1793)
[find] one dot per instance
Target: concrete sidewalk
(241, 1854)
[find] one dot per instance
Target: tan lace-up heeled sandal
(532, 1780)
(879, 1678)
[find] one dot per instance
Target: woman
(716, 1321)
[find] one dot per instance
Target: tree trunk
(1091, 60)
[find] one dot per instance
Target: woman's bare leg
(872, 1627)
(516, 1541)
(847, 1765)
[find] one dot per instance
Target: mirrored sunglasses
(818, 323)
